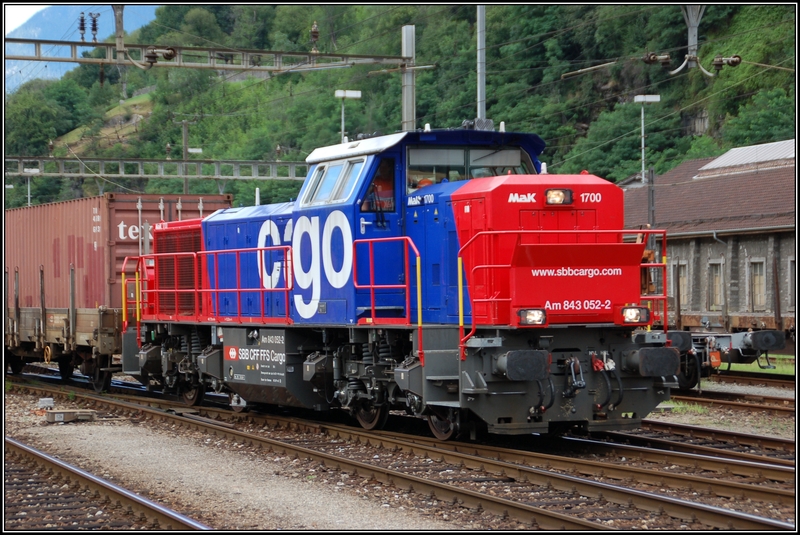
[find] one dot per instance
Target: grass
(681, 407)
(72, 137)
(110, 134)
(784, 365)
(138, 104)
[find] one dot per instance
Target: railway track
(45, 493)
(777, 406)
(757, 379)
(476, 480)
(705, 441)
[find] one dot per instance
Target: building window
(792, 284)
(715, 285)
(757, 284)
(680, 272)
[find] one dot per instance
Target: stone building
(731, 242)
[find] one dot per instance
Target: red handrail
(153, 296)
(519, 233)
(374, 320)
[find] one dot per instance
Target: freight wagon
(63, 273)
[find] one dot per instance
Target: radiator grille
(177, 272)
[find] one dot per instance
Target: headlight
(558, 196)
(635, 315)
(533, 316)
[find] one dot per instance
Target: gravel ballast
(225, 485)
(232, 486)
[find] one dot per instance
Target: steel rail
(166, 518)
(676, 508)
(778, 381)
(713, 463)
(545, 519)
(487, 454)
(777, 410)
(774, 443)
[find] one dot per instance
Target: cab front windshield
(426, 166)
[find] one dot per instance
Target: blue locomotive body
(339, 212)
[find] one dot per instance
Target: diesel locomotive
(442, 273)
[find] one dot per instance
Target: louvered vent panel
(178, 272)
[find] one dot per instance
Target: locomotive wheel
(237, 404)
(373, 417)
(442, 429)
(65, 367)
(194, 395)
(688, 376)
(101, 380)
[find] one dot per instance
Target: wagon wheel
(442, 428)
(373, 417)
(193, 395)
(16, 364)
(688, 375)
(65, 367)
(101, 379)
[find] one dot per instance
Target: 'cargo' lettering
(319, 250)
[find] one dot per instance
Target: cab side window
(380, 193)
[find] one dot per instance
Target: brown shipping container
(94, 234)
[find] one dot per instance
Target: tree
(251, 26)
(31, 121)
(769, 117)
(70, 96)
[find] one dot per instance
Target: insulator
(314, 38)
(733, 61)
(94, 26)
(650, 58)
(169, 53)
(82, 25)
(718, 63)
(102, 74)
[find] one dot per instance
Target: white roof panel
(359, 147)
(780, 150)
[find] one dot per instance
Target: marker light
(558, 196)
(533, 316)
(635, 315)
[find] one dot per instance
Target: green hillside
(588, 120)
